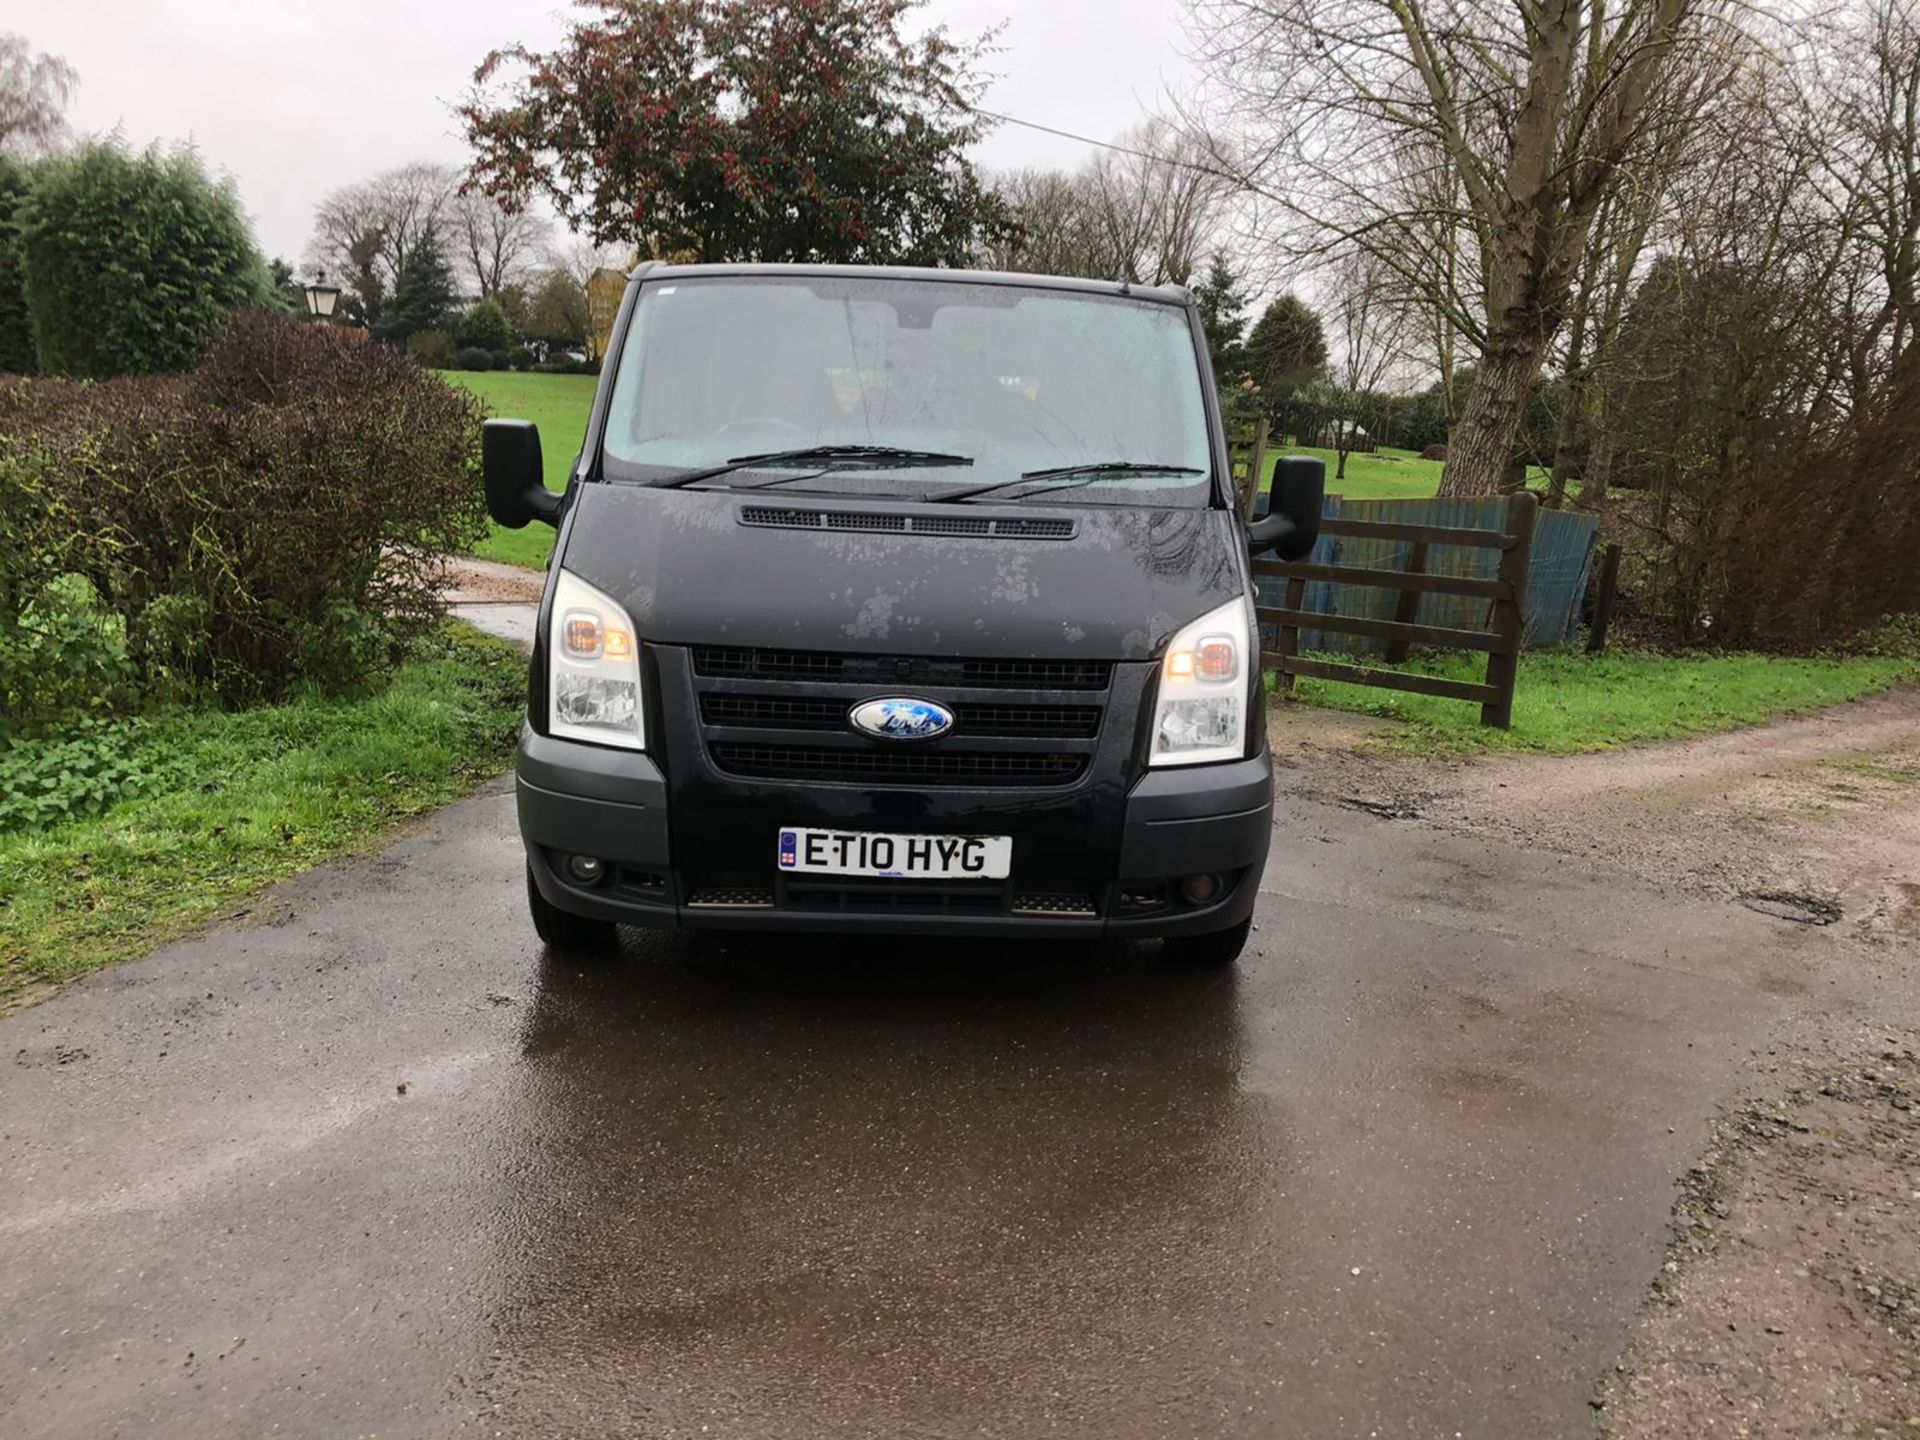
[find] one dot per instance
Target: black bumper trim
(613, 804)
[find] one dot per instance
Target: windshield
(1009, 378)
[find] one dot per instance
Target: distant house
(1324, 434)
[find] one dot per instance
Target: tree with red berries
(813, 130)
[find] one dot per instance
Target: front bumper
(614, 805)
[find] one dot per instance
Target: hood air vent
(998, 528)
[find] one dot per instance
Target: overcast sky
(294, 98)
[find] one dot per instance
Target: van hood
(725, 568)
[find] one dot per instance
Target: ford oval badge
(895, 718)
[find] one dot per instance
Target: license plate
(895, 857)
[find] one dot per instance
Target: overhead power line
(1106, 144)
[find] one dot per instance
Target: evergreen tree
(422, 293)
(1287, 349)
(1223, 317)
(132, 260)
(287, 295)
(16, 335)
(485, 327)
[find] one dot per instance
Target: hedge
(132, 260)
(276, 519)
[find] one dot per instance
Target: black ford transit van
(896, 600)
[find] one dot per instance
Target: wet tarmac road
(1406, 1173)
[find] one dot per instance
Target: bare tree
(1440, 284)
(365, 232)
(1871, 88)
(34, 90)
(1396, 127)
(1056, 230)
(1145, 213)
(496, 246)
(349, 240)
(1630, 221)
(1158, 201)
(1370, 329)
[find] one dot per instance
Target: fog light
(1199, 889)
(585, 869)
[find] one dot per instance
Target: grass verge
(244, 799)
(558, 404)
(1566, 701)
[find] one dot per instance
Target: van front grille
(791, 712)
(777, 714)
(743, 662)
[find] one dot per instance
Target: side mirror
(516, 485)
(1292, 522)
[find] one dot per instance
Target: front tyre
(1213, 951)
(561, 930)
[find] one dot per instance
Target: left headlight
(1201, 715)
(593, 668)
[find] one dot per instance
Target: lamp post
(321, 297)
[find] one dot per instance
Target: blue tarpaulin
(1563, 546)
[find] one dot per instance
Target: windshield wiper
(826, 456)
(1077, 475)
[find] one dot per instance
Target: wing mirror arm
(510, 465)
(1291, 525)
(1269, 532)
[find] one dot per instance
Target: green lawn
(1566, 701)
(1384, 475)
(558, 404)
(228, 803)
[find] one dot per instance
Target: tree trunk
(1599, 471)
(1567, 432)
(1566, 438)
(1481, 448)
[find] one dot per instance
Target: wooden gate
(1500, 641)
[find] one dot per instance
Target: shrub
(485, 327)
(132, 261)
(276, 518)
(1814, 541)
(60, 651)
(568, 367)
(520, 358)
(469, 358)
(432, 348)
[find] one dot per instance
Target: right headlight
(1201, 713)
(593, 668)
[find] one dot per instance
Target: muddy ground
(1816, 818)
(1789, 1303)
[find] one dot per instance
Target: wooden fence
(1246, 459)
(1505, 593)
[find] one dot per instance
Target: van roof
(1166, 294)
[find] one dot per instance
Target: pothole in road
(1792, 905)
(1395, 808)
